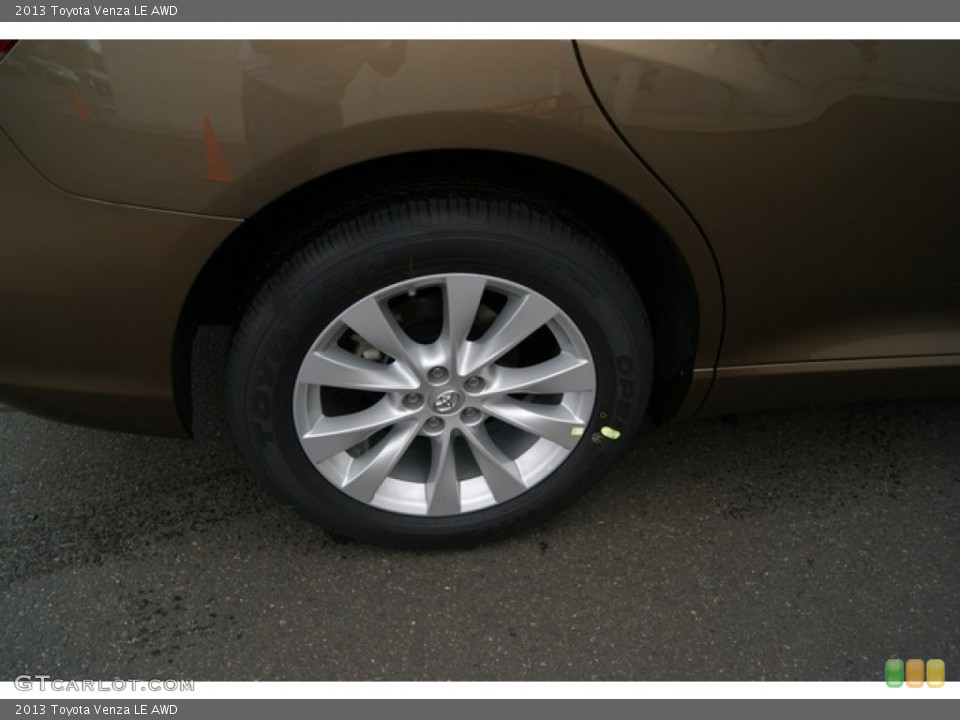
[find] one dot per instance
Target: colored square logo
(914, 673)
(893, 673)
(936, 673)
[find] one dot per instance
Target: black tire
(435, 233)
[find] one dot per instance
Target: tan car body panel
(824, 175)
(90, 295)
(207, 133)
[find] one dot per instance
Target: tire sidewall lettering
(264, 389)
(626, 390)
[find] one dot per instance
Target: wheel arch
(658, 268)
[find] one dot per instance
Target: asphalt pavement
(806, 544)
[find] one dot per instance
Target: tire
(356, 399)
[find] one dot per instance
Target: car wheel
(439, 370)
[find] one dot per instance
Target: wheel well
(250, 255)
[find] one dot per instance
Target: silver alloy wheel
(444, 394)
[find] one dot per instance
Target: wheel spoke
(374, 322)
(552, 422)
(520, 318)
(367, 472)
(501, 474)
(442, 487)
(335, 367)
(560, 374)
(332, 435)
(461, 301)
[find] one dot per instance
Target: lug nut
(474, 383)
(470, 414)
(433, 424)
(438, 374)
(412, 400)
